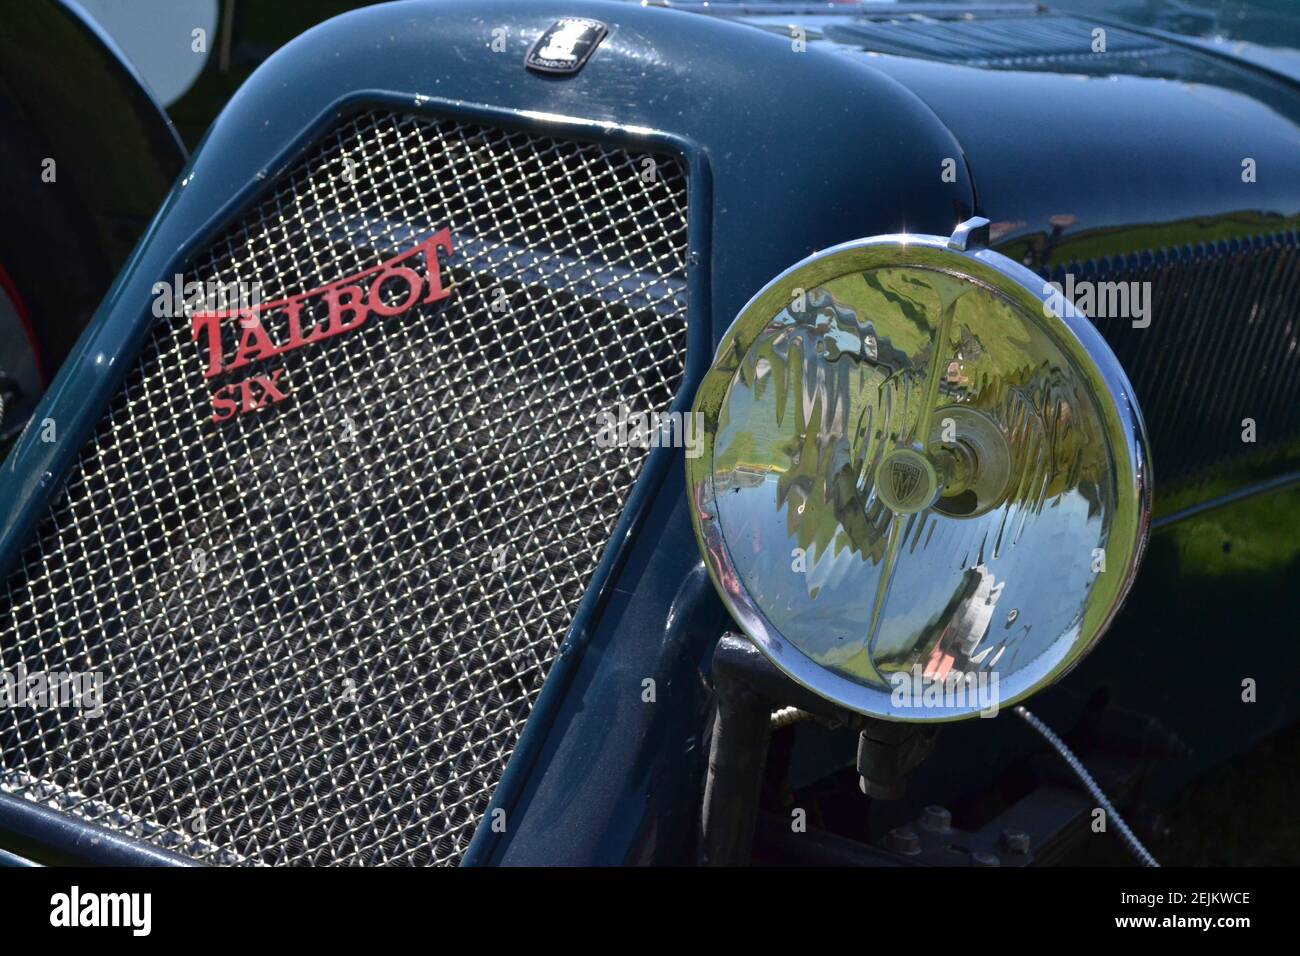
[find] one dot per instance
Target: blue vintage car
(577, 432)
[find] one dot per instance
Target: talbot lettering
(275, 328)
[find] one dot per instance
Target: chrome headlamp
(924, 488)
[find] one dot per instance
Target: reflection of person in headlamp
(962, 625)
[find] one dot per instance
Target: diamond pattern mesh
(321, 625)
(1222, 346)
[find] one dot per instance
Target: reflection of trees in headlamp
(828, 389)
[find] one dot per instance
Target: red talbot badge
(349, 302)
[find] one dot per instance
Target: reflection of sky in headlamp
(828, 389)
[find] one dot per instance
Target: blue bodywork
(788, 152)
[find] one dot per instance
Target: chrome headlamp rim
(1077, 337)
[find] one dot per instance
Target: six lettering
(349, 304)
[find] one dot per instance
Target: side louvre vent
(1221, 346)
(996, 39)
(322, 624)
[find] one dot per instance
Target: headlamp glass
(915, 475)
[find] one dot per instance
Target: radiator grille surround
(321, 626)
(1222, 346)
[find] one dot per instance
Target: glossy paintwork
(1110, 155)
(738, 122)
(1048, 175)
(69, 97)
(1077, 157)
(1071, 147)
(84, 100)
(788, 153)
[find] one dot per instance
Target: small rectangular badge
(566, 46)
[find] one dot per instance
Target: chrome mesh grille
(322, 625)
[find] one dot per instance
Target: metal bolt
(935, 818)
(980, 858)
(1016, 841)
(903, 840)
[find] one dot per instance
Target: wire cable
(1130, 840)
